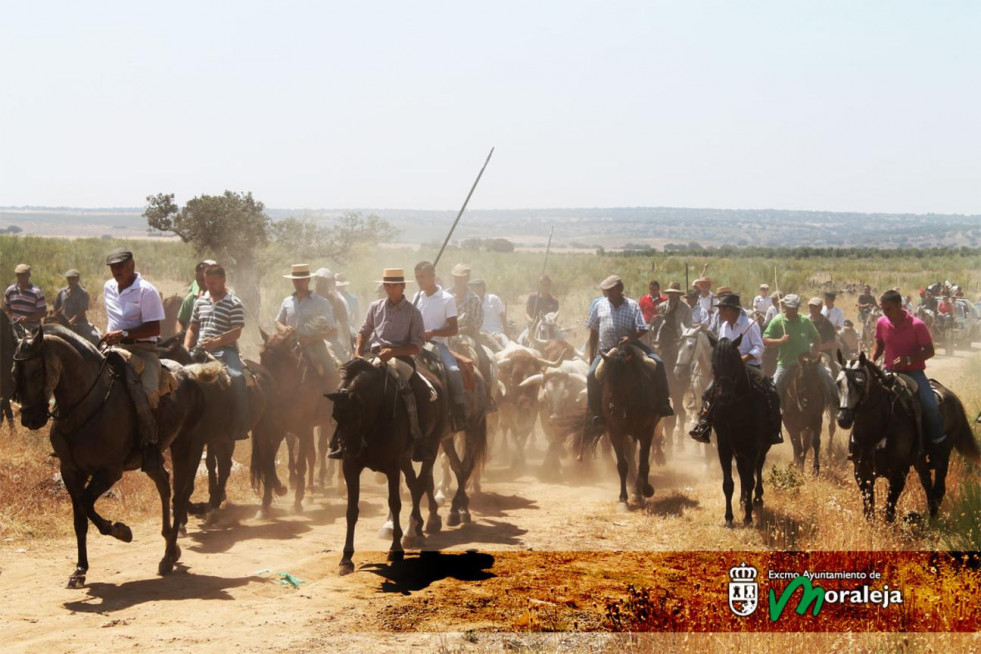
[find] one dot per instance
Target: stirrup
(701, 432)
(336, 453)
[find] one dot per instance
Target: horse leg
(897, 482)
(172, 552)
(396, 554)
(725, 459)
(745, 468)
(935, 498)
(413, 535)
(758, 491)
(795, 441)
(186, 456)
(617, 440)
(223, 457)
(817, 447)
(311, 449)
(304, 442)
(434, 523)
(352, 477)
(7, 411)
(642, 484)
(75, 483)
(291, 447)
(443, 490)
(449, 446)
(865, 477)
(211, 463)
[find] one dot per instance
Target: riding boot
(703, 429)
(420, 452)
(458, 415)
(773, 402)
(146, 423)
(336, 451)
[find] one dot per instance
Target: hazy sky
(867, 106)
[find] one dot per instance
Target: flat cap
(22, 268)
(791, 301)
(815, 302)
(324, 273)
(610, 282)
(72, 273)
(460, 270)
(118, 255)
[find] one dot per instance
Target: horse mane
(353, 368)
(725, 355)
(86, 350)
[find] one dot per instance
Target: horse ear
(862, 359)
(265, 336)
(739, 339)
(713, 341)
(333, 397)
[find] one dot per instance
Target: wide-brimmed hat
(72, 273)
(324, 273)
(764, 287)
(723, 290)
(340, 280)
(610, 282)
(791, 301)
(730, 300)
(815, 302)
(118, 255)
(674, 287)
(392, 276)
(299, 271)
(460, 270)
(22, 268)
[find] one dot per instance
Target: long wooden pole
(464, 207)
(548, 247)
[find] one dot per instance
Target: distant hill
(611, 228)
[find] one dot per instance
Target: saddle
(168, 380)
(906, 388)
(400, 372)
(466, 370)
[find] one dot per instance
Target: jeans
(453, 376)
(933, 422)
(241, 419)
(783, 376)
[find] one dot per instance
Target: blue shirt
(613, 323)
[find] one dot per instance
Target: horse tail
(256, 462)
(964, 441)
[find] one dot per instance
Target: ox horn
(532, 381)
(549, 364)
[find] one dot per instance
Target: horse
(296, 405)
(629, 412)
(95, 433)
(8, 343)
(803, 405)
(213, 429)
(742, 423)
(374, 428)
(883, 414)
(693, 366)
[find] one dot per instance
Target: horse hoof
(297, 508)
(122, 532)
(440, 499)
(182, 531)
(758, 501)
(728, 524)
(748, 522)
(396, 556)
(210, 519)
(434, 525)
(623, 507)
(386, 531)
(281, 490)
(345, 568)
(648, 490)
(476, 488)
(76, 581)
(465, 517)
(166, 567)
(197, 508)
(453, 519)
(408, 542)
(263, 513)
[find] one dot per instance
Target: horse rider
(353, 305)
(394, 332)
(649, 303)
(614, 320)
(706, 299)
(134, 312)
(23, 301)
(312, 319)
(675, 317)
(715, 320)
(71, 304)
(541, 302)
(734, 323)
(906, 343)
(866, 303)
(439, 317)
(834, 314)
(795, 335)
(850, 341)
(195, 290)
(216, 325)
(470, 319)
(762, 301)
(773, 310)
(826, 330)
(495, 316)
(326, 287)
(697, 315)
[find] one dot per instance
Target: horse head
(727, 364)
(855, 383)
(34, 379)
(359, 403)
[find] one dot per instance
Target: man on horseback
(494, 328)
(470, 318)
(762, 302)
(394, 332)
(834, 314)
(134, 312)
(906, 342)
(795, 335)
(439, 316)
(70, 306)
(735, 323)
(866, 303)
(312, 319)
(23, 301)
(613, 320)
(216, 325)
(541, 302)
(326, 287)
(194, 291)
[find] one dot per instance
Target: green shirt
(802, 333)
(187, 306)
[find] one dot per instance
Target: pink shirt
(905, 340)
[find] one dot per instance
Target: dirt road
(539, 556)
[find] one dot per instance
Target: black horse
(95, 433)
(803, 404)
(374, 429)
(630, 411)
(744, 424)
(881, 409)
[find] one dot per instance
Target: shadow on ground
(416, 573)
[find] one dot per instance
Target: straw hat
(299, 271)
(340, 279)
(722, 290)
(460, 270)
(674, 287)
(22, 268)
(392, 276)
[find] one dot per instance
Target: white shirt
(493, 310)
(706, 302)
(436, 310)
(752, 343)
(834, 316)
(138, 303)
(697, 315)
(761, 303)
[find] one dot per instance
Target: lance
(686, 277)
(548, 247)
(464, 207)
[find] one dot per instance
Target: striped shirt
(25, 302)
(393, 325)
(217, 318)
(612, 323)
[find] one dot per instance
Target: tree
(232, 227)
(336, 241)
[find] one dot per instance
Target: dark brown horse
(803, 405)
(630, 413)
(881, 412)
(743, 425)
(94, 434)
(296, 405)
(374, 430)
(8, 343)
